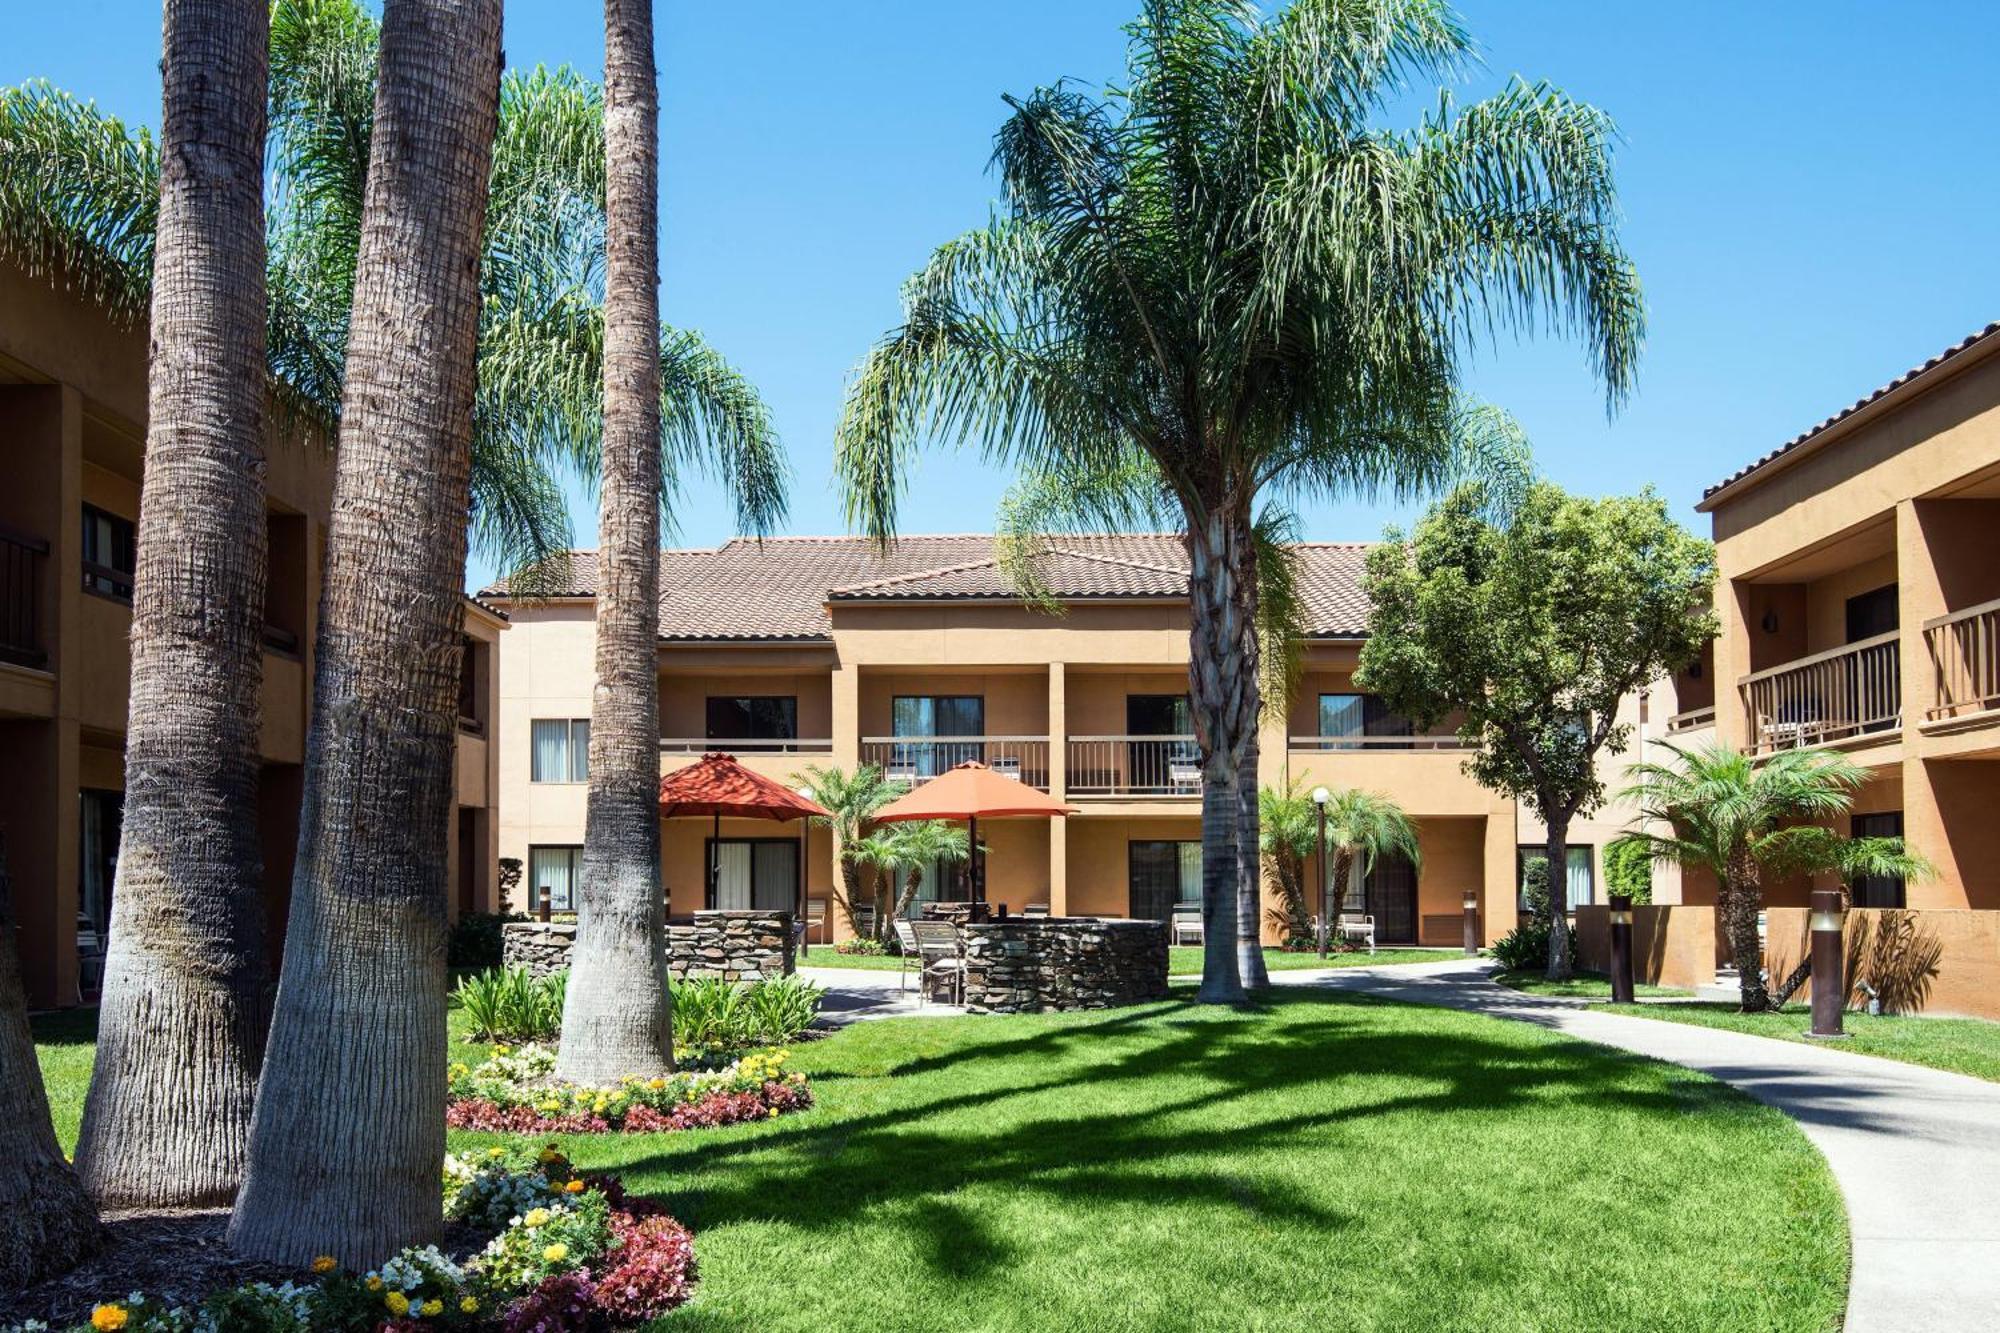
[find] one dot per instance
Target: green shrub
(512, 1004)
(858, 945)
(1526, 946)
(1535, 887)
(475, 940)
(711, 1012)
(784, 1007)
(1628, 869)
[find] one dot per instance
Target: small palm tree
(924, 844)
(1362, 827)
(1742, 819)
(1286, 836)
(850, 798)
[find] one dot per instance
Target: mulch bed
(177, 1256)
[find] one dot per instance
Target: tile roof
(1956, 349)
(777, 590)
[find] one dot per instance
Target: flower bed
(568, 1253)
(511, 1094)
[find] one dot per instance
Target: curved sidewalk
(1916, 1151)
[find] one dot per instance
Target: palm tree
(617, 1016)
(181, 1028)
(1228, 271)
(850, 798)
(1742, 819)
(909, 850)
(880, 855)
(346, 1143)
(1287, 835)
(51, 1223)
(1363, 827)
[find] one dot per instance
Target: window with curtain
(110, 552)
(555, 869)
(1579, 883)
(1163, 875)
(1351, 717)
(1878, 890)
(770, 717)
(755, 874)
(917, 715)
(560, 749)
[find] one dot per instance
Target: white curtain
(776, 876)
(553, 868)
(550, 739)
(1190, 872)
(1577, 883)
(732, 879)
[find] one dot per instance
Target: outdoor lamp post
(1621, 949)
(1320, 797)
(1829, 968)
(1471, 923)
(799, 898)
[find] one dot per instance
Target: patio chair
(1035, 910)
(901, 770)
(1183, 773)
(816, 919)
(864, 920)
(1356, 926)
(943, 960)
(1007, 765)
(906, 940)
(1186, 927)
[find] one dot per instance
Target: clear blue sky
(1812, 191)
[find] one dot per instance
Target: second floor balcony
(1844, 693)
(1964, 649)
(916, 759)
(21, 559)
(1134, 766)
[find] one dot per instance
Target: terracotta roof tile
(1963, 345)
(778, 589)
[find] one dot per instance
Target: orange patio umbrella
(715, 786)
(972, 792)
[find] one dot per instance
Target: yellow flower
(325, 1263)
(433, 1308)
(534, 1217)
(657, 1084)
(398, 1303)
(773, 1113)
(574, 1187)
(374, 1283)
(549, 1154)
(468, 1306)
(503, 1050)
(555, 1253)
(108, 1317)
(496, 1152)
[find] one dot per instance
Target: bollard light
(1621, 949)
(1829, 967)
(1471, 923)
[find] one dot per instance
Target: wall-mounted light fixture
(1770, 622)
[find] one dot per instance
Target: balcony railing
(1842, 693)
(21, 558)
(1375, 744)
(1168, 766)
(1692, 720)
(915, 759)
(1965, 659)
(742, 745)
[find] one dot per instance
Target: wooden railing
(915, 759)
(1167, 766)
(1376, 744)
(1849, 691)
(21, 557)
(1692, 720)
(742, 745)
(1965, 660)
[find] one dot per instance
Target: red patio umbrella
(716, 785)
(972, 792)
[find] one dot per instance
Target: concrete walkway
(1916, 1151)
(856, 994)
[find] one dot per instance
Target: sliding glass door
(755, 874)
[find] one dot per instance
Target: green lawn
(1180, 961)
(1584, 986)
(1960, 1045)
(1326, 1161)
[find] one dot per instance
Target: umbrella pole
(715, 862)
(978, 865)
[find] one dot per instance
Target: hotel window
(1163, 876)
(919, 715)
(767, 717)
(760, 874)
(555, 869)
(110, 553)
(1346, 719)
(561, 749)
(1878, 890)
(1579, 885)
(471, 715)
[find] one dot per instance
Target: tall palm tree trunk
(1740, 897)
(1556, 849)
(347, 1141)
(1222, 698)
(1249, 874)
(50, 1223)
(186, 992)
(616, 1020)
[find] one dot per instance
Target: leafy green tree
(1744, 820)
(1628, 869)
(1530, 630)
(1232, 272)
(850, 798)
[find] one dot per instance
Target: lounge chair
(943, 960)
(1183, 773)
(1186, 926)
